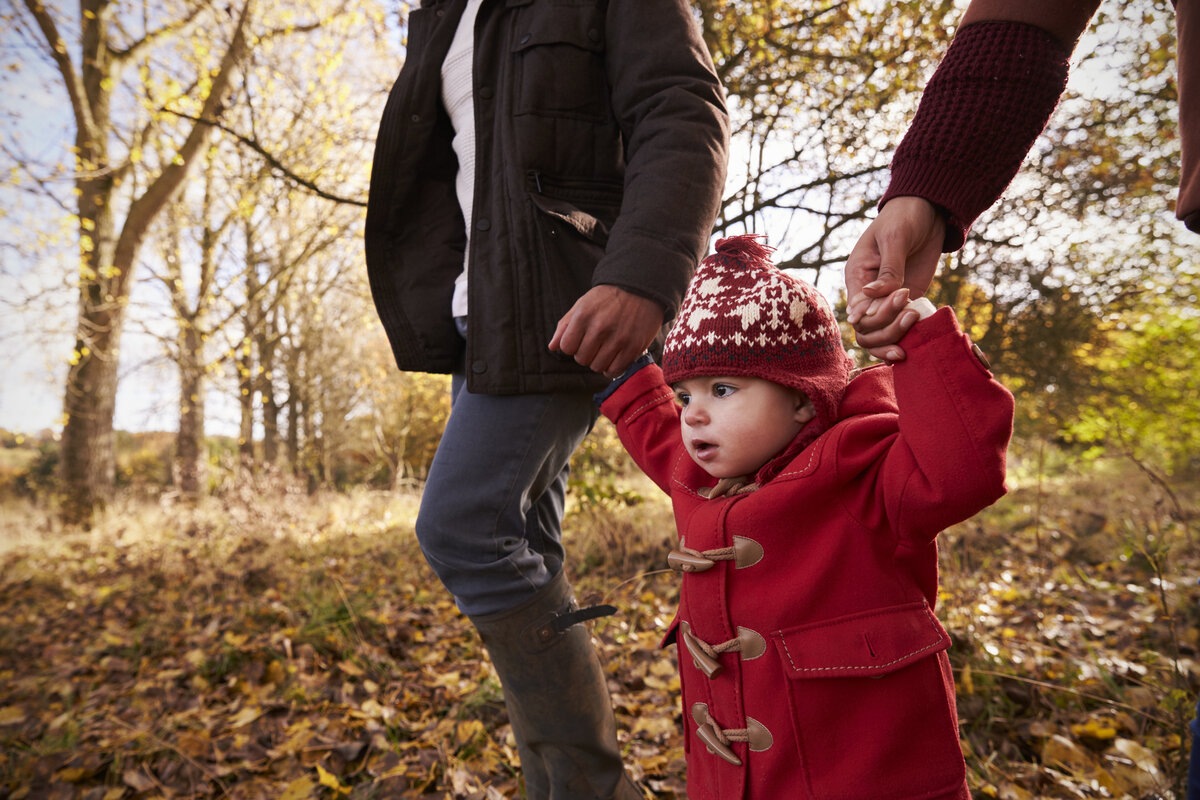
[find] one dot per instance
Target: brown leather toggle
(682, 561)
(753, 645)
(716, 740)
(709, 732)
(758, 737)
(709, 735)
(978, 353)
(703, 661)
(748, 644)
(745, 552)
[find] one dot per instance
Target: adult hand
(893, 261)
(608, 328)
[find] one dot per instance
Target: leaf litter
(308, 652)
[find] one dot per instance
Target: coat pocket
(559, 51)
(571, 222)
(872, 702)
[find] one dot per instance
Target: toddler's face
(733, 425)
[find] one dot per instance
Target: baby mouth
(704, 449)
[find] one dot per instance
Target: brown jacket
(601, 145)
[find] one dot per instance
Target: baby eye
(682, 398)
(722, 390)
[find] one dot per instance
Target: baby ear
(804, 410)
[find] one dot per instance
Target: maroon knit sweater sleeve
(982, 110)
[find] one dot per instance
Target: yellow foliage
(329, 780)
(1094, 729)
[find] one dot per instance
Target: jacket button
(416, 117)
(486, 93)
(525, 39)
(484, 224)
(479, 367)
(593, 34)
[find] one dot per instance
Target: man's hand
(607, 329)
(896, 256)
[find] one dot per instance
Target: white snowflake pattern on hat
(743, 316)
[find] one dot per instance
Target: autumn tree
(311, 118)
(403, 413)
(197, 259)
(118, 193)
(817, 95)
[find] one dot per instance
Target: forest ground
(269, 643)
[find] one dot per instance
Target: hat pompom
(745, 247)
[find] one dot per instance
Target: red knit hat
(743, 316)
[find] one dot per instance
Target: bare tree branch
(71, 79)
(274, 162)
(177, 27)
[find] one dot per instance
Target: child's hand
(907, 313)
(728, 487)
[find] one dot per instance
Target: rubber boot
(557, 698)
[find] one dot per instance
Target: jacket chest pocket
(558, 47)
(872, 701)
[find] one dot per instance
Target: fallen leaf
(245, 717)
(12, 715)
(299, 789)
(137, 780)
(1142, 758)
(350, 668)
(1098, 730)
(71, 774)
(1059, 751)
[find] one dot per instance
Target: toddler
(808, 499)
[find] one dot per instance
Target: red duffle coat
(840, 682)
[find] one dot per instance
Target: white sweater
(458, 98)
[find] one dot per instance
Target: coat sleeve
(947, 459)
(670, 106)
(647, 419)
(978, 117)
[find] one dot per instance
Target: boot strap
(561, 622)
(546, 631)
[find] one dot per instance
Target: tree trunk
(245, 366)
(88, 460)
(107, 258)
(293, 429)
(191, 460)
(270, 422)
(266, 387)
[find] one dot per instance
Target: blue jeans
(490, 522)
(1193, 780)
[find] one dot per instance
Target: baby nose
(693, 413)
